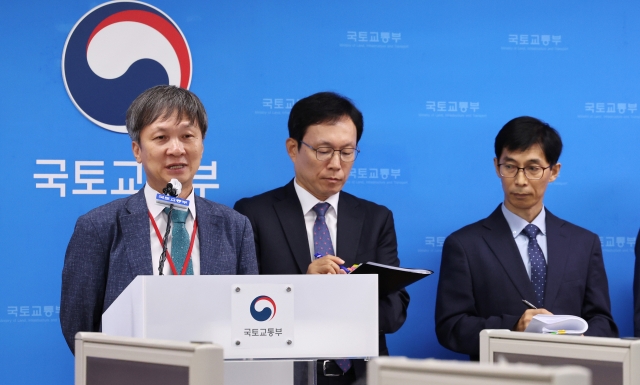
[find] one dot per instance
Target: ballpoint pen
(529, 304)
(342, 267)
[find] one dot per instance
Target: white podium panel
(263, 372)
(289, 316)
(612, 361)
(401, 370)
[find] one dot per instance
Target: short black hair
(521, 133)
(323, 107)
(163, 102)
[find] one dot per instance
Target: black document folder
(391, 278)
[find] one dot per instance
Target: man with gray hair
(114, 243)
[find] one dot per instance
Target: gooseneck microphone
(172, 189)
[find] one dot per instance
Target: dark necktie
(538, 263)
(321, 239)
(322, 245)
(179, 240)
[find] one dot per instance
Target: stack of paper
(557, 324)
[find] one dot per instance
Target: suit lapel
(558, 241)
(501, 242)
(289, 212)
(350, 222)
(135, 234)
(209, 243)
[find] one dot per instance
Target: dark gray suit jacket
(483, 281)
(111, 245)
(365, 232)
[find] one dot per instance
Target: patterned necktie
(179, 240)
(538, 263)
(322, 245)
(321, 238)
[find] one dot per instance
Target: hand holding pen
(527, 316)
(327, 264)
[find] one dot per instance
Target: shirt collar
(307, 201)
(517, 224)
(155, 209)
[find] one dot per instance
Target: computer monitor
(105, 360)
(402, 370)
(612, 361)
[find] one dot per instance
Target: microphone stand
(169, 190)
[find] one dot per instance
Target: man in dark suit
(289, 222)
(520, 252)
(114, 243)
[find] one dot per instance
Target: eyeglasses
(532, 172)
(326, 153)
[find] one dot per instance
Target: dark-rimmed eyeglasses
(533, 172)
(347, 155)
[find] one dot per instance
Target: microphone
(169, 197)
(174, 188)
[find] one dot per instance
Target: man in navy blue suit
(324, 131)
(520, 252)
(114, 243)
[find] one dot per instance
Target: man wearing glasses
(520, 252)
(311, 226)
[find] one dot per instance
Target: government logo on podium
(259, 327)
(267, 313)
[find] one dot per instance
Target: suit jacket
(365, 232)
(636, 291)
(483, 281)
(111, 245)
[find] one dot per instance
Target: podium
(255, 318)
(612, 361)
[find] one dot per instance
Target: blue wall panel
(435, 82)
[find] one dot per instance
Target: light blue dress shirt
(517, 224)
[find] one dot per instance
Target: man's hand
(527, 317)
(326, 265)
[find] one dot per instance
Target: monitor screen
(109, 371)
(602, 372)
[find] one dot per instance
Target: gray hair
(163, 102)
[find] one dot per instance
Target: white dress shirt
(308, 201)
(161, 221)
(517, 224)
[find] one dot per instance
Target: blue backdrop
(434, 80)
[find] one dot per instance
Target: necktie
(538, 263)
(321, 238)
(179, 240)
(322, 245)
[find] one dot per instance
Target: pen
(345, 269)
(529, 304)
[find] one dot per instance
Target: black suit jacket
(365, 232)
(636, 291)
(483, 281)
